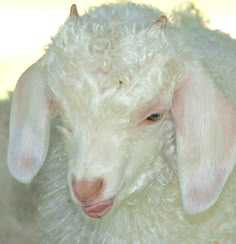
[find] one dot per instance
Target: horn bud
(73, 11)
(161, 22)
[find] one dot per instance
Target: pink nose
(86, 192)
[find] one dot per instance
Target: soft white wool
(105, 72)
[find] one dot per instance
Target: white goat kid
(140, 101)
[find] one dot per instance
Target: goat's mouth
(98, 210)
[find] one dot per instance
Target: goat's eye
(154, 117)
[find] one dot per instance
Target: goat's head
(120, 93)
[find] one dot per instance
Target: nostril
(87, 191)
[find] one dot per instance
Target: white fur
(103, 74)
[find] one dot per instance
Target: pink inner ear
(200, 194)
(29, 124)
(178, 108)
(205, 140)
(25, 154)
(27, 162)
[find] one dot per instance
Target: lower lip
(99, 210)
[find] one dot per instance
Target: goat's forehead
(114, 67)
(120, 87)
(107, 93)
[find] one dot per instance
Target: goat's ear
(29, 125)
(205, 139)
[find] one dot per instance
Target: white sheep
(148, 120)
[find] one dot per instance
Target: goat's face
(113, 136)
(115, 115)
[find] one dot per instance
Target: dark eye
(154, 117)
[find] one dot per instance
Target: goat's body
(153, 213)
